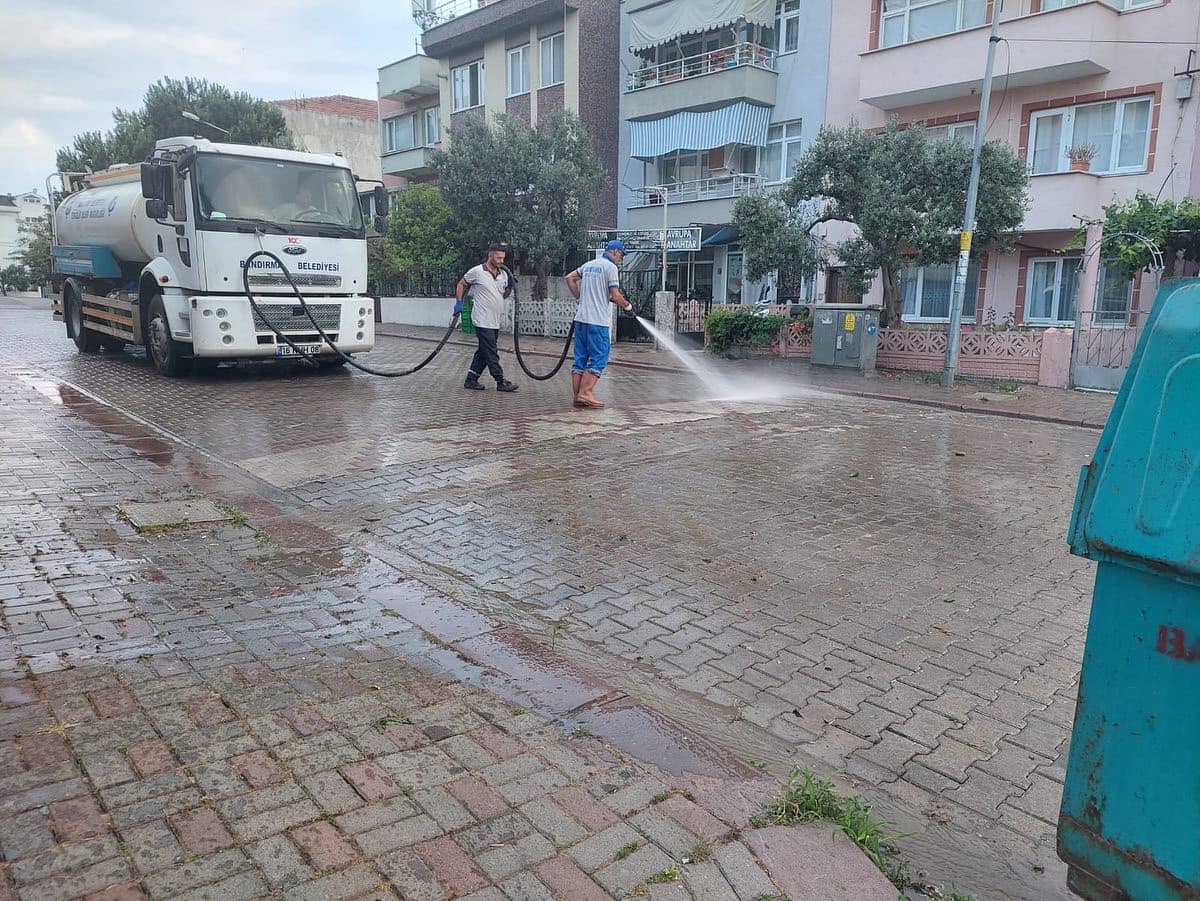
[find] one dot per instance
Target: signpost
(647, 239)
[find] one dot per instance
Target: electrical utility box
(845, 334)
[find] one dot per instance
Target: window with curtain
(925, 292)
(433, 126)
(400, 133)
(1118, 129)
(1052, 285)
(787, 26)
(963, 132)
(518, 71)
(784, 149)
(466, 86)
(903, 21)
(552, 60)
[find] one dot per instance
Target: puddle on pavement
(122, 429)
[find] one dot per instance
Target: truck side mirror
(152, 182)
(156, 208)
(382, 201)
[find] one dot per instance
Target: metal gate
(689, 319)
(1103, 347)
(639, 286)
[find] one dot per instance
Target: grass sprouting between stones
(809, 799)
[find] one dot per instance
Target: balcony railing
(703, 64)
(716, 187)
(431, 13)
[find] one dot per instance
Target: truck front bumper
(228, 328)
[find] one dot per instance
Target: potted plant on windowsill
(1081, 156)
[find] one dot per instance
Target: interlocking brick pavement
(814, 579)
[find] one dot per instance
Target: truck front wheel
(85, 339)
(163, 349)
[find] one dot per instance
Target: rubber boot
(586, 387)
(576, 379)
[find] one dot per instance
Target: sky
(64, 66)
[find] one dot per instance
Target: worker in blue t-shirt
(597, 284)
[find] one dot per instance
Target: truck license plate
(284, 350)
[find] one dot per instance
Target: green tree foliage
(250, 121)
(421, 235)
(1173, 227)
(34, 253)
(903, 193)
(531, 188)
(14, 278)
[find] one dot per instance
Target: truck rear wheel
(85, 339)
(164, 350)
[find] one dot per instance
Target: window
(552, 60)
(925, 291)
(1119, 4)
(787, 26)
(914, 20)
(518, 71)
(433, 126)
(782, 152)
(1118, 129)
(1053, 285)
(466, 86)
(964, 132)
(400, 133)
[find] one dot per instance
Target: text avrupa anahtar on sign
(646, 238)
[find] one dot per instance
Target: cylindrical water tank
(111, 216)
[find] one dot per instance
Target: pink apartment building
(1068, 72)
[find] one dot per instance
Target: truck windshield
(300, 198)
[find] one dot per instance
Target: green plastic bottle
(464, 320)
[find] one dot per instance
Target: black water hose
(512, 280)
(313, 359)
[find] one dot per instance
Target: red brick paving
(43, 749)
(77, 819)
(371, 782)
(452, 865)
(210, 711)
(477, 798)
(324, 846)
(255, 674)
(581, 805)
(17, 694)
(200, 831)
(406, 737)
(126, 891)
(258, 768)
(113, 702)
(566, 880)
(428, 692)
(499, 743)
(305, 720)
(152, 757)
(693, 818)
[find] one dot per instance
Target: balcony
(431, 13)
(951, 66)
(715, 78)
(1055, 200)
(408, 79)
(703, 200)
(410, 163)
(457, 26)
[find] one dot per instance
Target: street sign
(646, 239)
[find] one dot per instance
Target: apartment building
(718, 98)
(1068, 73)
(15, 209)
(526, 58)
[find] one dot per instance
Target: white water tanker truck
(154, 255)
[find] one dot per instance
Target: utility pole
(663, 195)
(964, 243)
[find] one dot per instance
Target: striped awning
(738, 123)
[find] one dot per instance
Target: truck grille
(306, 281)
(291, 318)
